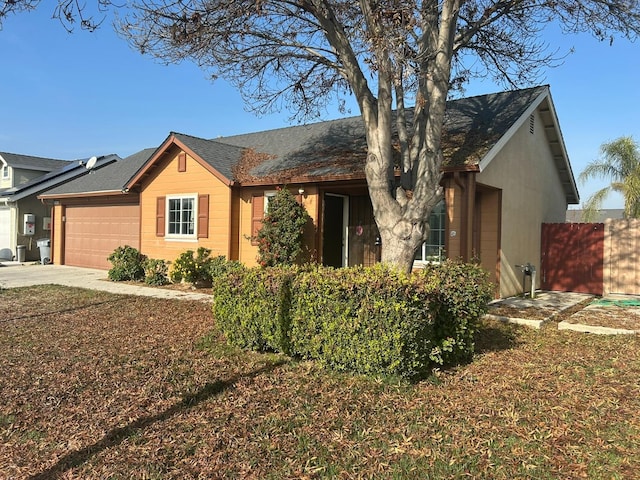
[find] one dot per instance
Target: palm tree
(620, 162)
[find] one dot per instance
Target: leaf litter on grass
(129, 387)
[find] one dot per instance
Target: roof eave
(99, 193)
(564, 169)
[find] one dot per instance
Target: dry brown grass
(95, 385)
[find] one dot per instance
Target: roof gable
(218, 158)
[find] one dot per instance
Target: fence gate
(622, 256)
(572, 257)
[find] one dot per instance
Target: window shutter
(182, 162)
(160, 215)
(257, 214)
(203, 216)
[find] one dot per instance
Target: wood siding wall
(168, 179)
(247, 210)
(487, 229)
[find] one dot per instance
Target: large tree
(620, 163)
(398, 58)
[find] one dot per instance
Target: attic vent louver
(532, 121)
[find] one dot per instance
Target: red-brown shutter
(160, 215)
(182, 162)
(257, 214)
(203, 216)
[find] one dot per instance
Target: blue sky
(82, 94)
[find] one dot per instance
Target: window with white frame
(268, 196)
(181, 216)
(5, 172)
(433, 249)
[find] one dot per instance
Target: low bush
(373, 320)
(219, 267)
(127, 264)
(155, 272)
(192, 267)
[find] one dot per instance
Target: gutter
(99, 193)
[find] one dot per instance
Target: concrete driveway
(14, 274)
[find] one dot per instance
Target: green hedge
(370, 320)
(251, 307)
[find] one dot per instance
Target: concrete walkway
(14, 274)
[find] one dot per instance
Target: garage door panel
(92, 233)
(5, 233)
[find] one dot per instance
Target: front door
(334, 231)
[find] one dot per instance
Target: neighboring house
(507, 172)
(17, 171)
(25, 219)
(575, 215)
(96, 213)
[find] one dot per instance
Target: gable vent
(532, 122)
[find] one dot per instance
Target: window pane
(433, 249)
(174, 219)
(187, 219)
(181, 216)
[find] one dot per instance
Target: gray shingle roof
(54, 178)
(334, 148)
(330, 149)
(221, 156)
(109, 178)
(28, 162)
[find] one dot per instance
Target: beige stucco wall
(36, 207)
(532, 193)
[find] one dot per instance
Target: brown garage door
(93, 232)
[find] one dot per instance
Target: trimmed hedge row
(370, 320)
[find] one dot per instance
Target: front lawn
(95, 385)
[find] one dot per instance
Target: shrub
(374, 320)
(251, 307)
(192, 268)
(459, 294)
(155, 272)
(380, 321)
(219, 267)
(280, 238)
(127, 264)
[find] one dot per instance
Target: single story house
(507, 172)
(24, 218)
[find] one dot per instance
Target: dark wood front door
(333, 240)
